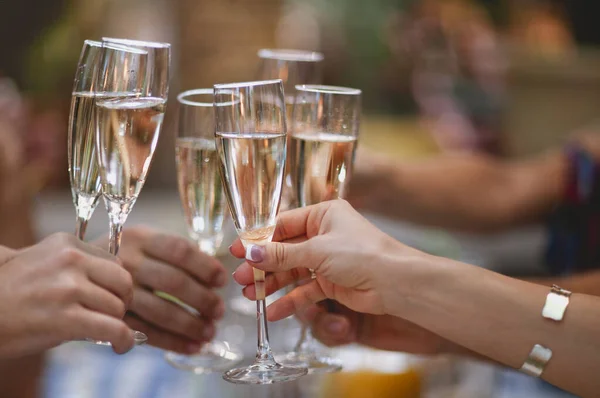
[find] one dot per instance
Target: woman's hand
(171, 264)
(384, 332)
(58, 290)
(355, 264)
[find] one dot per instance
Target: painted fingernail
(255, 253)
(230, 247)
(334, 325)
(193, 348)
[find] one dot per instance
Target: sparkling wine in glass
(251, 142)
(204, 205)
(84, 170)
(83, 165)
(130, 103)
(293, 67)
(324, 132)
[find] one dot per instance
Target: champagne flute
(83, 166)
(251, 142)
(83, 163)
(204, 204)
(128, 124)
(324, 133)
(130, 104)
(293, 67)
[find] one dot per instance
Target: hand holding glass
(130, 102)
(293, 67)
(324, 131)
(204, 204)
(251, 142)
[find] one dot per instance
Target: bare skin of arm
(468, 192)
(512, 310)
(20, 377)
(471, 193)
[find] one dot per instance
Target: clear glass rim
(137, 43)
(182, 98)
(93, 43)
(114, 46)
(319, 88)
(285, 54)
(247, 84)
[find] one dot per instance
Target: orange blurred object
(373, 384)
(371, 373)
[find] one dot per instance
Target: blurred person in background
(478, 193)
(441, 56)
(475, 191)
(457, 71)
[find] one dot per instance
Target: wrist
(410, 275)
(18, 230)
(435, 283)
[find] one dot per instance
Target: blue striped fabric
(574, 226)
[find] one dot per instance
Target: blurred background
(503, 76)
(509, 78)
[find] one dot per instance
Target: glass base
(139, 338)
(216, 356)
(264, 373)
(314, 362)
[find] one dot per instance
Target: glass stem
(305, 343)
(263, 353)
(117, 214)
(84, 208)
(114, 241)
(207, 246)
(80, 227)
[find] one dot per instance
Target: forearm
(21, 377)
(472, 192)
(500, 318)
